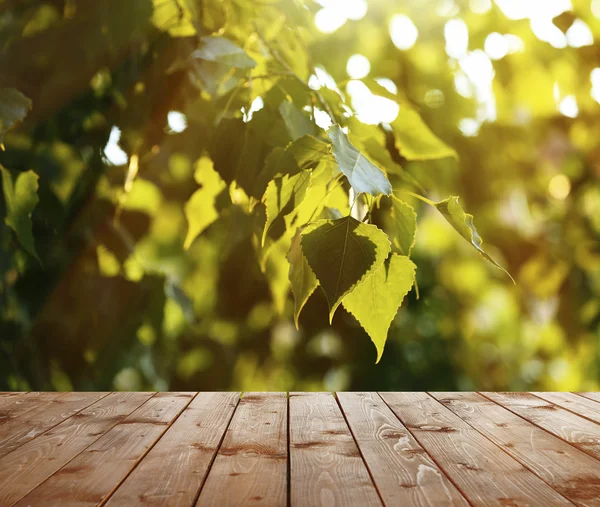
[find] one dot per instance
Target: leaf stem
(420, 197)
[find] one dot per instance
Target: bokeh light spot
(358, 66)
(403, 32)
(559, 187)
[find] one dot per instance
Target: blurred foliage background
(120, 123)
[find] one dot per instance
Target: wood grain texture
(251, 465)
(590, 396)
(576, 404)
(12, 407)
(576, 430)
(7, 397)
(484, 473)
(403, 472)
(326, 467)
(88, 478)
(32, 463)
(174, 470)
(566, 469)
(46, 413)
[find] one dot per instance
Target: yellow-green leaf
(303, 280)
(200, 210)
(375, 302)
(222, 50)
(296, 122)
(342, 253)
(14, 106)
(463, 223)
(174, 16)
(21, 198)
(415, 140)
(404, 222)
(284, 194)
(363, 175)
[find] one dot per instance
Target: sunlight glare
(388, 84)
(480, 6)
(358, 66)
(496, 46)
(371, 109)
(177, 121)
(112, 150)
(257, 105)
(322, 119)
(329, 19)
(469, 127)
(533, 9)
(595, 79)
(579, 34)
(546, 31)
(568, 106)
(403, 32)
(456, 34)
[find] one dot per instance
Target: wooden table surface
(348, 449)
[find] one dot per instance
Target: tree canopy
(292, 194)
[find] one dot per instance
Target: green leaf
(342, 253)
(284, 194)
(21, 198)
(375, 302)
(296, 122)
(276, 271)
(363, 175)
(463, 223)
(404, 221)
(14, 106)
(174, 16)
(222, 50)
(414, 139)
(303, 280)
(200, 209)
(303, 153)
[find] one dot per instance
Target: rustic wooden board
(484, 473)
(590, 396)
(174, 470)
(94, 473)
(12, 407)
(361, 449)
(251, 465)
(403, 472)
(582, 433)
(43, 415)
(576, 404)
(32, 463)
(325, 464)
(565, 468)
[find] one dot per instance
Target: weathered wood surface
(271, 449)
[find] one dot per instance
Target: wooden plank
(325, 464)
(590, 396)
(16, 406)
(403, 472)
(174, 470)
(576, 404)
(568, 470)
(251, 465)
(16, 431)
(576, 430)
(482, 471)
(27, 466)
(88, 478)
(7, 395)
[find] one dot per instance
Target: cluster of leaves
(329, 206)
